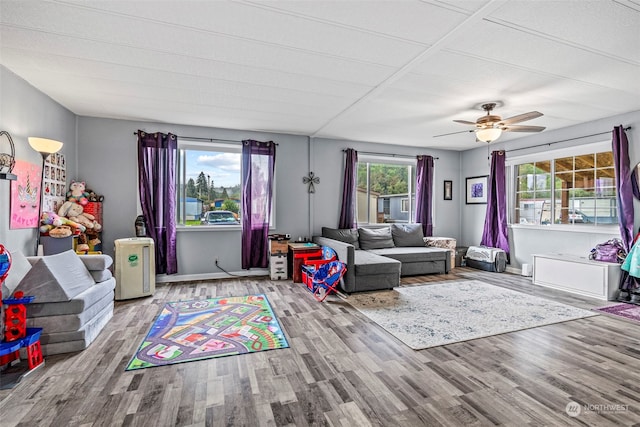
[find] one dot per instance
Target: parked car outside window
(219, 218)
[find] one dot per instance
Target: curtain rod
(562, 140)
(388, 155)
(197, 138)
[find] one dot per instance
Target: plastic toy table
(299, 253)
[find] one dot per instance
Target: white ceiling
(395, 72)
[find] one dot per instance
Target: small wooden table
(299, 253)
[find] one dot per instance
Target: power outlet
(215, 259)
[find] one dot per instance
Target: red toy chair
(311, 265)
(326, 278)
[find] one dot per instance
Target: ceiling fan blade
(453, 133)
(465, 122)
(521, 118)
(523, 128)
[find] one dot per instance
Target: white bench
(579, 275)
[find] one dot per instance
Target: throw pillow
(347, 235)
(407, 234)
(375, 238)
(20, 266)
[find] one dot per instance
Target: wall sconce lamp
(7, 160)
(45, 147)
(488, 134)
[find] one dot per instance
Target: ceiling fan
(489, 127)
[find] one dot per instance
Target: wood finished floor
(342, 370)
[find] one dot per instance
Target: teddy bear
(93, 197)
(77, 193)
(75, 212)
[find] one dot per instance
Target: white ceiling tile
(410, 20)
(521, 49)
(331, 69)
(100, 71)
(613, 26)
(216, 30)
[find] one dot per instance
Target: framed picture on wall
(476, 190)
(448, 190)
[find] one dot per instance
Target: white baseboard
(514, 270)
(163, 278)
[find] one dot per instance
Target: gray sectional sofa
(377, 257)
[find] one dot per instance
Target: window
(209, 184)
(569, 188)
(384, 185)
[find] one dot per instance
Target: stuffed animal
(77, 193)
(93, 197)
(82, 245)
(75, 212)
(47, 218)
(60, 232)
(66, 221)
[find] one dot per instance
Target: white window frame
(551, 155)
(217, 147)
(390, 160)
(404, 204)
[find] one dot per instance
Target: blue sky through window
(222, 167)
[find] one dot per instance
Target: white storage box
(278, 267)
(486, 258)
(135, 267)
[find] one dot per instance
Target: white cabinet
(579, 275)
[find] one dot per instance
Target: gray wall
(297, 212)
(25, 112)
(107, 159)
(527, 241)
(327, 161)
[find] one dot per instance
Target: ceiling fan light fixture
(489, 134)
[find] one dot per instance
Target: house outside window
(568, 187)
(384, 186)
(208, 180)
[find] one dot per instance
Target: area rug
(628, 311)
(194, 330)
(443, 313)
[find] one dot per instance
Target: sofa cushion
(407, 235)
(375, 238)
(76, 305)
(20, 266)
(70, 322)
(414, 254)
(368, 263)
(96, 262)
(101, 275)
(56, 278)
(346, 235)
(89, 332)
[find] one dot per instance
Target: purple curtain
(258, 166)
(620, 147)
(495, 233)
(424, 195)
(349, 191)
(157, 185)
